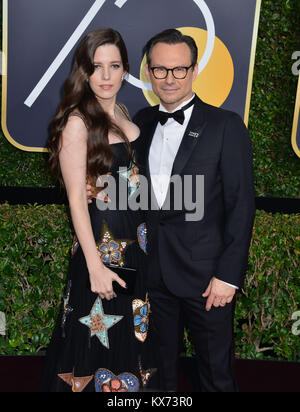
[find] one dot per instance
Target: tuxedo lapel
(149, 134)
(193, 133)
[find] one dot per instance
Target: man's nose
(170, 77)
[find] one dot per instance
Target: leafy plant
(34, 251)
(276, 166)
(272, 290)
(271, 294)
(34, 259)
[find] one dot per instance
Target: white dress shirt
(165, 144)
(164, 148)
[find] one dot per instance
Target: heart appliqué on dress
(106, 381)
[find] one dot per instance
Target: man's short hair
(172, 36)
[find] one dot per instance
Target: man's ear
(195, 72)
(147, 72)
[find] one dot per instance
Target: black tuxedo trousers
(211, 333)
(185, 254)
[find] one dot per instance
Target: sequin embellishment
(106, 381)
(141, 312)
(142, 237)
(110, 250)
(99, 322)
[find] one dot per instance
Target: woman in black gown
(103, 339)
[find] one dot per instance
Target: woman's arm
(72, 159)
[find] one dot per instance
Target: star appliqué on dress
(99, 322)
(78, 384)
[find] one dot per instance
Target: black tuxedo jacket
(217, 146)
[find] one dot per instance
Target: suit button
(161, 223)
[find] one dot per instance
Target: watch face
(40, 39)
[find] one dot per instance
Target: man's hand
(218, 294)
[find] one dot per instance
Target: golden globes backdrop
(40, 37)
(296, 124)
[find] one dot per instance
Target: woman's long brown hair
(79, 97)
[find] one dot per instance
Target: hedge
(34, 257)
(276, 166)
(34, 245)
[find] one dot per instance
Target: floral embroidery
(110, 250)
(141, 312)
(142, 237)
(106, 381)
(99, 322)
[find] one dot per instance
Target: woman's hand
(101, 279)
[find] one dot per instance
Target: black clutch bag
(126, 274)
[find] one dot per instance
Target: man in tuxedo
(195, 266)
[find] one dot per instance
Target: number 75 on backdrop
(40, 37)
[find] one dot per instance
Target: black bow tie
(163, 117)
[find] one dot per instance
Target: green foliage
(272, 290)
(19, 168)
(263, 321)
(34, 250)
(34, 259)
(276, 166)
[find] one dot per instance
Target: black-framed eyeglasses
(179, 72)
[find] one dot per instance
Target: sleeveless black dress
(100, 345)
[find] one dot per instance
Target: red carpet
(21, 374)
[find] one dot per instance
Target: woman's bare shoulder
(75, 128)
